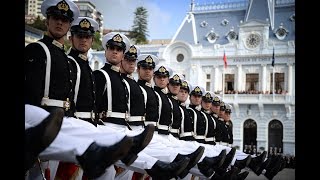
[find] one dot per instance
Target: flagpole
(273, 79)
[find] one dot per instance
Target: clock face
(253, 40)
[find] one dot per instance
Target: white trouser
(126, 174)
(74, 138)
(144, 161)
(239, 155)
(109, 174)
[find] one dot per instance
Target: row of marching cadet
(104, 124)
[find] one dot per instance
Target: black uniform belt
(136, 123)
(121, 121)
(161, 131)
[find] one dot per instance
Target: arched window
(250, 136)
(275, 137)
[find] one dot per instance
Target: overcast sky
(165, 16)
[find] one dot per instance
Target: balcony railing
(259, 98)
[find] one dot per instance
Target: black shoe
(242, 175)
(205, 169)
(217, 161)
(228, 158)
(243, 163)
(97, 158)
(139, 143)
(164, 171)
(38, 138)
(256, 162)
(270, 173)
(273, 160)
(210, 164)
(227, 175)
(263, 166)
(194, 158)
(232, 174)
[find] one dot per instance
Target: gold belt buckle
(66, 104)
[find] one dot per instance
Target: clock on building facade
(253, 40)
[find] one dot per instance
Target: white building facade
(250, 33)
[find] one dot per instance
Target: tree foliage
(97, 44)
(39, 24)
(139, 31)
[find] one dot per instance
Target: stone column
(215, 78)
(290, 78)
(239, 79)
(264, 78)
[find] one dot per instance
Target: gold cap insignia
(162, 69)
(184, 83)
(176, 77)
(62, 5)
(208, 95)
(149, 59)
(222, 104)
(117, 38)
(197, 89)
(85, 23)
(133, 49)
(216, 99)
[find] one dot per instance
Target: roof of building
(221, 18)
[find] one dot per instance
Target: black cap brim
(206, 100)
(53, 11)
(114, 43)
(173, 82)
(216, 103)
(185, 88)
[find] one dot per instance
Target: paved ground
(285, 174)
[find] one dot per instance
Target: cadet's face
(114, 55)
(206, 105)
(195, 100)
(58, 26)
(215, 109)
(183, 95)
(221, 114)
(82, 43)
(161, 81)
(174, 89)
(145, 73)
(227, 116)
(128, 65)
